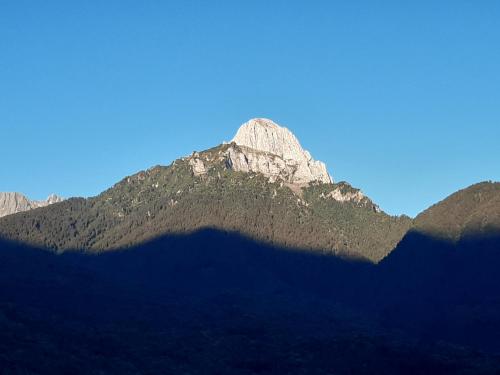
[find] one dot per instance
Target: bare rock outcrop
(11, 203)
(197, 164)
(343, 192)
(272, 150)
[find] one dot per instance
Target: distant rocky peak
(263, 140)
(11, 203)
(53, 198)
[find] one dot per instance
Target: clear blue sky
(402, 100)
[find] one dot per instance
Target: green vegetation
(172, 199)
(471, 211)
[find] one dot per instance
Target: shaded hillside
(177, 199)
(442, 280)
(437, 289)
(209, 302)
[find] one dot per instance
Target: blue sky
(401, 100)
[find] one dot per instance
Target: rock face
(275, 152)
(197, 165)
(11, 203)
(52, 198)
(344, 192)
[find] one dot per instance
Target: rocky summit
(262, 146)
(11, 203)
(274, 151)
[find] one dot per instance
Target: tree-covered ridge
(471, 211)
(177, 199)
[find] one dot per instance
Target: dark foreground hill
(444, 273)
(218, 302)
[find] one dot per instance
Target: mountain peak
(264, 122)
(266, 136)
(13, 202)
(54, 198)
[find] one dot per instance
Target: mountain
(262, 184)
(471, 211)
(11, 203)
(247, 258)
(442, 279)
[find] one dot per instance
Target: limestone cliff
(11, 203)
(275, 152)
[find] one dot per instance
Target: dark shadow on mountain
(443, 290)
(181, 268)
(218, 302)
